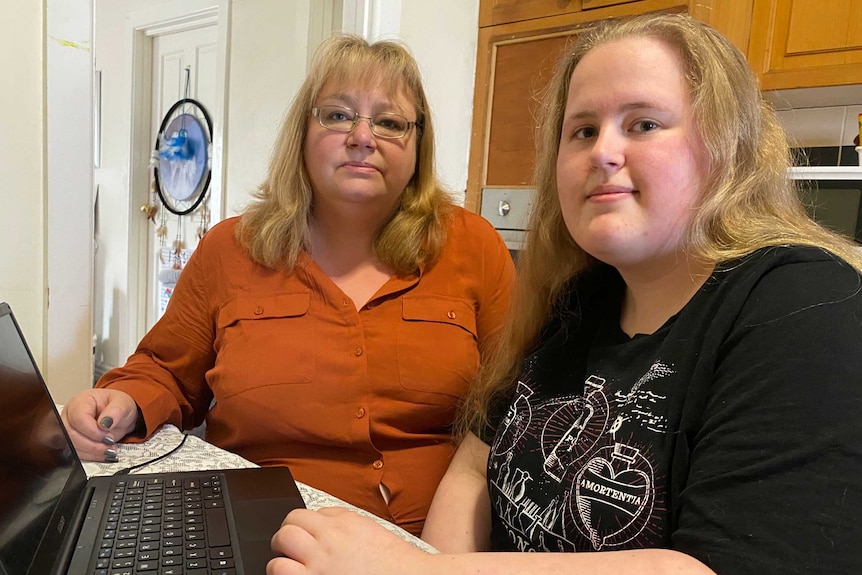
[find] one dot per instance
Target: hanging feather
(177, 146)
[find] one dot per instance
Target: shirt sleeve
(775, 469)
(494, 298)
(499, 277)
(166, 374)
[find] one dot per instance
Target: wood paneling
(495, 12)
(522, 70)
(590, 4)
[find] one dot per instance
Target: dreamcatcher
(181, 164)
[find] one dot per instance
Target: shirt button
(357, 352)
(378, 464)
(360, 413)
(258, 310)
(451, 315)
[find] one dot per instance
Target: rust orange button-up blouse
(348, 399)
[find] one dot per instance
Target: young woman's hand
(333, 541)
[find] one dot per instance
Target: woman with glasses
(336, 324)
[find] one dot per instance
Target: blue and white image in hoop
(183, 157)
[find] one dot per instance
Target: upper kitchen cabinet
(806, 43)
(518, 45)
(495, 12)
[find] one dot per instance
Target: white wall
(815, 117)
(68, 65)
(443, 35)
(22, 230)
(268, 54)
(46, 170)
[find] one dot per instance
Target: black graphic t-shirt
(709, 436)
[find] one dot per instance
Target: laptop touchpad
(259, 519)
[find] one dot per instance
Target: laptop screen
(36, 461)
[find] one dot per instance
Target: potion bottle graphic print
(569, 473)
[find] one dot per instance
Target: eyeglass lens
(342, 119)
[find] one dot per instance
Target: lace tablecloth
(198, 455)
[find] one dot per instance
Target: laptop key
(216, 564)
(221, 553)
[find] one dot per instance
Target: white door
(184, 66)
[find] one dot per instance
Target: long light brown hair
(747, 201)
(275, 227)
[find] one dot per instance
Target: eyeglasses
(340, 119)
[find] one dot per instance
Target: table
(198, 455)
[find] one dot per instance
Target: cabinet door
(590, 4)
(494, 12)
(522, 69)
(806, 43)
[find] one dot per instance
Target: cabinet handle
(503, 208)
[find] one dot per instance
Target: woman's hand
(96, 419)
(333, 541)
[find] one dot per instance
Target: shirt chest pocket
(264, 341)
(438, 349)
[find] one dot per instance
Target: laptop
(56, 521)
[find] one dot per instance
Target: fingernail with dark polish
(108, 440)
(110, 456)
(106, 422)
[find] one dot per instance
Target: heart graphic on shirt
(613, 496)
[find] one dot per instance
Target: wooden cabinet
(518, 45)
(590, 4)
(495, 12)
(806, 43)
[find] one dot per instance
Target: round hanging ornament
(182, 169)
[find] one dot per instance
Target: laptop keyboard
(164, 526)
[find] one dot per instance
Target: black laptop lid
(41, 479)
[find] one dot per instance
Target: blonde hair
(275, 227)
(748, 201)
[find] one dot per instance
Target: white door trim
(143, 25)
(371, 19)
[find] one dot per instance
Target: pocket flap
(439, 309)
(255, 307)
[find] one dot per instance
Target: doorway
(141, 56)
(183, 67)
(168, 40)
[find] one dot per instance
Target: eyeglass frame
(371, 125)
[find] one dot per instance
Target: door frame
(143, 26)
